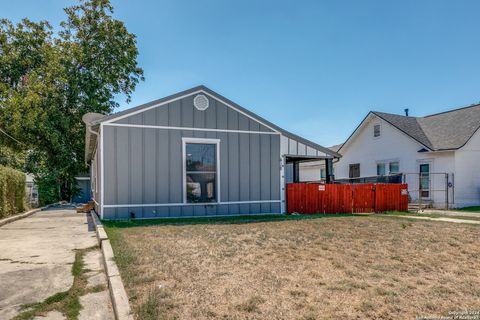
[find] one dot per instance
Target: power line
(1, 130)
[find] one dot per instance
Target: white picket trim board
(140, 205)
(146, 126)
(184, 96)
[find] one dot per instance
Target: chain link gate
(430, 189)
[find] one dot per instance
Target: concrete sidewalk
(453, 213)
(439, 219)
(36, 257)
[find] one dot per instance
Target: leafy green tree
(10, 157)
(49, 80)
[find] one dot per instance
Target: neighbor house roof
(336, 147)
(409, 125)
(94, 124)
(449, 130)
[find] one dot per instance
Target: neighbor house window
(323, 173)
(201, 170)
(354, 171)
(394, 167)
(376, 130)
(380, 169)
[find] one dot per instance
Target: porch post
(329, 170)
(296, 171)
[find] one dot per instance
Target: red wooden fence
(309, 198)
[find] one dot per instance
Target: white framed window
(376, 130)
(394, 167)
(323, 173)
(385, 167)
(201, 170)
(381, 169)
(354, 170)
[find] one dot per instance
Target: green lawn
(470, 209)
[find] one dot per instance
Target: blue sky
(312, 67)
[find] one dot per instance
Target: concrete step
(418, 206)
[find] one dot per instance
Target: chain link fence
(433, 189)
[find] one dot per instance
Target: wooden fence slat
(346, 198)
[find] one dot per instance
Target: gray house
(194, 153)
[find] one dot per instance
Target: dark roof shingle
(448, 130)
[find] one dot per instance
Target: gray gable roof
(409, 125)
(336, 147)
(448, 130)
(221, 98)
(451, 129)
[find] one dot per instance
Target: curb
(19, 216)
(118, 295)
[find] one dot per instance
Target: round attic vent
(200, 102)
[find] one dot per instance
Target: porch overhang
(289, 158)
(297, 159)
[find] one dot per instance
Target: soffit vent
(200, 102)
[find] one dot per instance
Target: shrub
(12, 191)
(48, 189)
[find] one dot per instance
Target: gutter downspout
(89, 129)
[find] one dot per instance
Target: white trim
(430, 162)
(102, 168)
(82, 178)
(96, 174)
(185, 204)
(216, 142)
(184, 96)
(151, 107)
(218, 170)
(200, 140)
(282, 183)
(245, 114)
(186, 128)
(214, 216)
(284, 145)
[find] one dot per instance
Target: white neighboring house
(438, 155)
(315, 171)
(31, 191)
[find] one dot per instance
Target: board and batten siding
(182, 113)
(95, 178)
(144, 162)
(295, 148)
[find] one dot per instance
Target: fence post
(420, 191)
(453, 188)
(446, 191)
(353, 197)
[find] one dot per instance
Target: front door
(424, 180)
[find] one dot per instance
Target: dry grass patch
(350, 267)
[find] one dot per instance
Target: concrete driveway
(36, 256)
